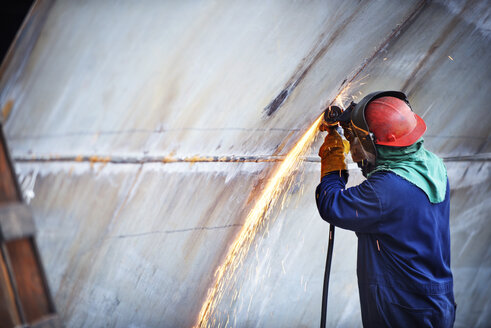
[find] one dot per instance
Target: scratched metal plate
(128, 244)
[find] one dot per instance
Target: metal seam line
(484, 157)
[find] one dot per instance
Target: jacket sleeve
(357, 208)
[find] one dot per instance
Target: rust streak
(93, 159)
(7, 108)
(198, 159)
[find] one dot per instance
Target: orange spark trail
(240, 247)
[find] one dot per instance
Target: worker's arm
(357, 208)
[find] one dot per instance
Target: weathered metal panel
(445, 72)
(128, 248)
(187, 79)
(112, 88)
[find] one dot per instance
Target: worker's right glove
(332, 153)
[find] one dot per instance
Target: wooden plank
(16, 221)
(8, 185)
(29, 279)
(9, 316)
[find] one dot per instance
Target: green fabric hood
(417, 165)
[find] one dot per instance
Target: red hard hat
(393, 123)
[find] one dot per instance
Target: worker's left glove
(332, 153)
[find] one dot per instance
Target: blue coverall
(403, 264)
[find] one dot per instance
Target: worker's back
(406, 259)
(403, 266)
(412, 239)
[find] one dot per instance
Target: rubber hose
(327, 272)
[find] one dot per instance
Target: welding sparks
(256, 217)
(343, 96)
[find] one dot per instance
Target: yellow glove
(332, 153)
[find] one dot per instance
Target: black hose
(327, 272)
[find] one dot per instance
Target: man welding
(400, 213)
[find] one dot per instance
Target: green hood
(417, 165)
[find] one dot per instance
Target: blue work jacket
(403, 264)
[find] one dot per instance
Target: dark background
(12, 14)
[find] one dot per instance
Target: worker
(400, 213)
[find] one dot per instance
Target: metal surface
(144, 131)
